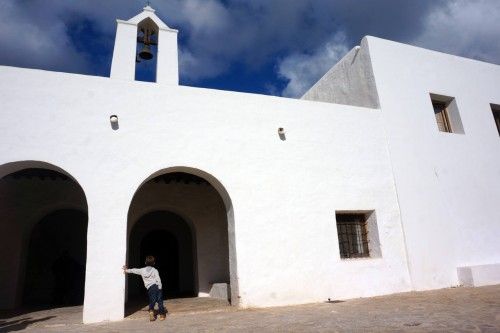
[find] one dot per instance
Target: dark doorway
(168, 238)
(164, 246)
(55, 263)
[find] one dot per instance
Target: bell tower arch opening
(185, 217)
(146, 50)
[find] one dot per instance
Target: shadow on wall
(351, 81)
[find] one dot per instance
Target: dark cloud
(392, 19)
(300, 39)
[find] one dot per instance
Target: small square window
(353, 237)
(358, 234)
(441, 114)
(446, 114)
(496, 115)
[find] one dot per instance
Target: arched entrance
(185, 216)
(164, 246)
(43, 231)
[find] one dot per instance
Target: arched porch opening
(43, 232)
(188, 212)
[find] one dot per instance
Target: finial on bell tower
(147, 29)
(148, 7)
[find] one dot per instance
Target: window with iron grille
(496, 115)
(353, 235)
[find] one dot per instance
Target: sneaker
(152, 316)
(162, 317)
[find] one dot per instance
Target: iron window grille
(353, 235)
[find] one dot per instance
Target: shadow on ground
(20, 324)
(138, 309)
(29, 317)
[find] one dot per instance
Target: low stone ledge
(480, 275)
(220, 291)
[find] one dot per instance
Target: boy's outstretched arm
(126, 270)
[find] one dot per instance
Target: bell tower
(149, 31)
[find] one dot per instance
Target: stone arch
(11, 167)
(30, 190)
(167, 208)
(228, 213)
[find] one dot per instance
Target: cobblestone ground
(447, 310)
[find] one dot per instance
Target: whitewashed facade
(363, 139)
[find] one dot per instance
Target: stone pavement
(446, 310)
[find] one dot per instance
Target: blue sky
(278, 47)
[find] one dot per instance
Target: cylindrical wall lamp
(114, 121)
(281, 133)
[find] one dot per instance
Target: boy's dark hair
(150, 261)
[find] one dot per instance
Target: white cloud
(302, 70)
(205, 16)
(466, 28)
(461, 27)
(194, 68)
(29, 43)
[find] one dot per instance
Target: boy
(152, 282)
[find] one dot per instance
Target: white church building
(383, 178)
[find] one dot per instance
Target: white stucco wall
(448, 184)
(284, 194)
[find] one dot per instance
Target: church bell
(147, 41)
(146, 53)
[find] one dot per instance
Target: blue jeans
(156, 296)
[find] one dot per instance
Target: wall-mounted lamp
(281, 133)
(114, 122)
